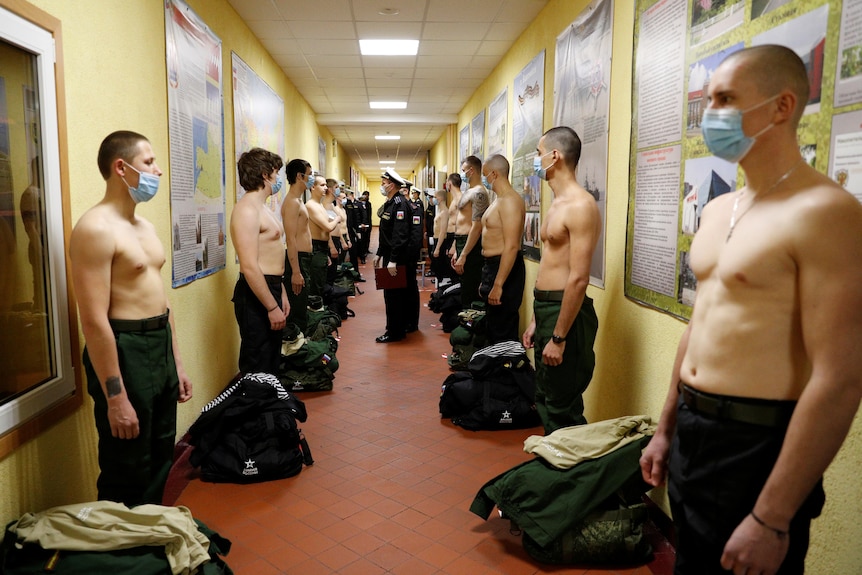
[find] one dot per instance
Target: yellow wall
(635, 347)
(116, 81)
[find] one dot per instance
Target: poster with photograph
(527, 117)
(582, 80)
(498, 115)
(321, 156)
(477, 138)
(196, 138)
(678, 46)
(463, 143)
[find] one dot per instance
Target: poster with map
(196, 138)
(258, 121)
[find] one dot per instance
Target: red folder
(385, 280)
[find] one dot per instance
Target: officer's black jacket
(353, 215)
(396, 216)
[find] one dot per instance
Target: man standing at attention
(445, 232)
(394, 250)
(768, 375)
(467, 249)
(564, 323)
(259, 298)
(503, 274)
(132, 361)
(320, 224)
(297, 260)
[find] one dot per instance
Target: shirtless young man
(320, 224)
(132, 361)
(768, 375)
(503, 274)
(259, 298)
(467, 249)
(564, 323)
(297, 237)
(443, 236)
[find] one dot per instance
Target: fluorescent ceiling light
(389, 47)
(387, 105)
(387, 137)
(387, 161)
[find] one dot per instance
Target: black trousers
(260, 346)
(298, 314)
(441, 266)
(472, 276)
(717, 470)
(502, 321)
(319, 263)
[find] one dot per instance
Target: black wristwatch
(557, 339)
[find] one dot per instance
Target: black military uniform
(353, 231)
(364, 225)
(396, 217)
(417, 239)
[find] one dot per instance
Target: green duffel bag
(613, 536)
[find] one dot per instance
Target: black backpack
(249, 434)
(335, 298)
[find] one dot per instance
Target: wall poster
(196, 141)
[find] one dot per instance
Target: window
(36, 343)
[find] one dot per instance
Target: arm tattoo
(112, 385)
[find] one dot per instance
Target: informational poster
(258, 120)
(678, 46)
(527, 117)
(463, 143)
(196, 137)
(582, 82)
(321, 157)
(477, 141)
(498, 115)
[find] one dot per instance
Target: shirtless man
(446, 234)
(467, 249)
(259, 298)
(564, 323)
(332, 203)
(503, 274)
(132, 361)
(766, 380)
(297, 237)
(320, 224)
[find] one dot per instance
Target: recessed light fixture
(387, 161)
(389, 12)
(387, 105)
(388, 47)
(387, 137)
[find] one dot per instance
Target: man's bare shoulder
(821, 210)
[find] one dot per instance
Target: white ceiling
(316, 44)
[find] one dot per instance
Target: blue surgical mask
(309, 182)
(344, 202)
(148, 185)
(337, 193)
(537, 166)
(435, 201)
(276, 187)
(486, 183)
(722, 132)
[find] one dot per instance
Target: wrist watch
(557, 339)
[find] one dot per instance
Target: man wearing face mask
(564, 324)
(132, 361)
(365, 226)
(322, 221)
(394, 250)
(466, 251)
(766, 381)
(445, 231)
(297, 238)
(503, 273)
(259, 298)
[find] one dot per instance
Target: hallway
(392, 483)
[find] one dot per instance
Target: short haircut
(566, 141)
(122, 144)
(776, 68)
(455, 179)
(499, 164)
(254, 165)
(294, 167)
(473, 162)
(331, 182)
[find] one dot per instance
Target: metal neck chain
(734, 220)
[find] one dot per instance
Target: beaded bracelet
(778, 532)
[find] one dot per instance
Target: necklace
(734, 220)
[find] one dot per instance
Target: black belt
(767, 412)
(320, 246)
(149, 324)
(271, 280)
(548, 295)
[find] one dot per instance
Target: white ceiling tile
(460, 11)
(369, 10)
(334, 82)
(493, 48)
(524, 11)
(389, 61)
(333, 61)
(448, 47)
(390, 30)
(306, 10)
(320, 31)
(388, 83)
(266, 29)
(455, 30)
(277, 46)
(388, 72)
(355, 72)
(253, 9)
(332, 47)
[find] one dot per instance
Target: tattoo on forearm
(112, 385)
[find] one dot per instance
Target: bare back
(569, 233)
(753, 308)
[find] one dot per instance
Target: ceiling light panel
(383, 105)
(388, 47)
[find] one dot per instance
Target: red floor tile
(391, 485)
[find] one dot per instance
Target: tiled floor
(391, 485)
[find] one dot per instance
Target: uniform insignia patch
(416, 220)
(399, 215)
